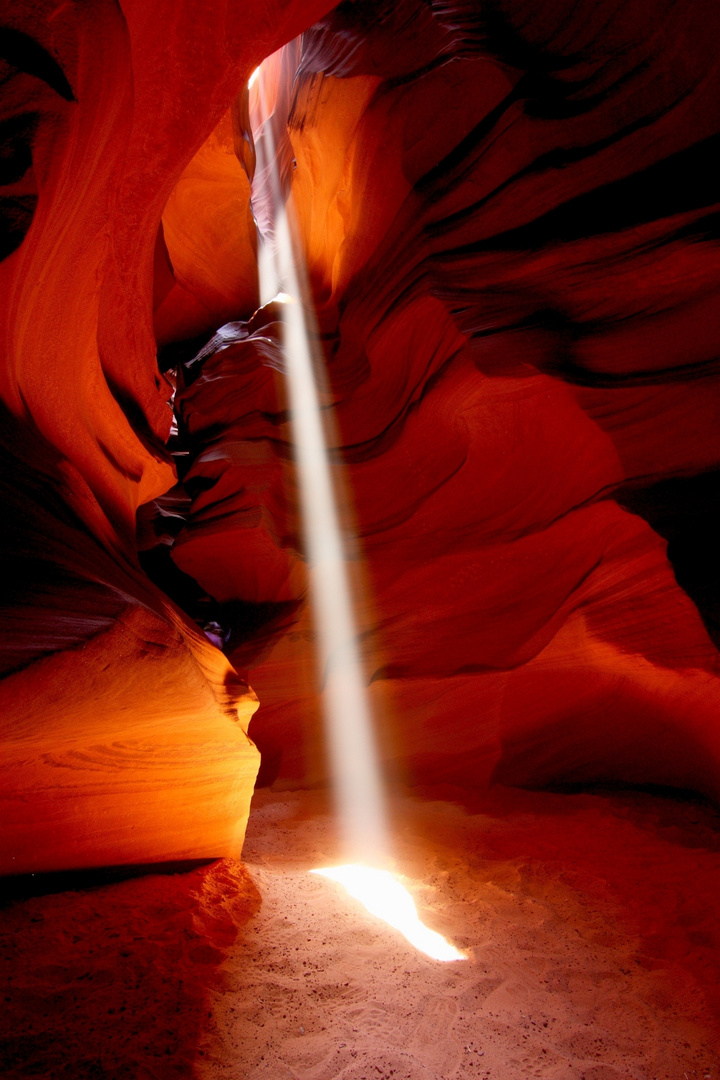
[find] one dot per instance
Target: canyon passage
(505, 229)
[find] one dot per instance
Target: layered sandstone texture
(124, 731)
(509, 225)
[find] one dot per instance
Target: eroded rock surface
(124, 730)
(511, 239)
(510, 232)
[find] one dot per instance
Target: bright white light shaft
(349, 723)
(383, 896)
(352, 751)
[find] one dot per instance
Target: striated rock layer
(510, 233)
(124, 732)
(509, 226)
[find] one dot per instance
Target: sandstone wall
(510, 232)
(123, 730)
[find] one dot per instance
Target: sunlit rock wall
(509, 222)
(124, 731)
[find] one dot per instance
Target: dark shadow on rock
(25, 886)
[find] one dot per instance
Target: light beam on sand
(384, 896)
(349, 723)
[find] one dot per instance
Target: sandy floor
(111, 983)
(591, 924)
(591, 927)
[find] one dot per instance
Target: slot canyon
(505, 220)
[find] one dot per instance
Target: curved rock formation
(124, 730)
(511, 238)
(509, 223)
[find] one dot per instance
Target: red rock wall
(510, 231)
(124, 731)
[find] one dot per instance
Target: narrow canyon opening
(360, 398)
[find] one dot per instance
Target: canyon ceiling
(509, 219)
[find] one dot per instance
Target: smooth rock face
(209, 237)
(511, 238)
(131, 750)
(123, 730)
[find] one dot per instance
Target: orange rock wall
(511, 238)
(509, 226)
(123, 730)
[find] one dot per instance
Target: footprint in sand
(400, 1066)
(432, 1039)
(376, 1021)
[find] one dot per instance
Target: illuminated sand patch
(384, 896)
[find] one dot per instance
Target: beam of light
(384, 896)
(349, 724)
